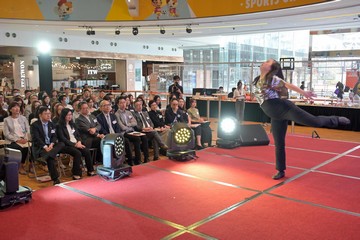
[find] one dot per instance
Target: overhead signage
(118, 10)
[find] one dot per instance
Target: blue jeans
(281, 111)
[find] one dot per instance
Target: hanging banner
(119, 10)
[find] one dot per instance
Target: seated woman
(16, 127)
(90, 103)
(56, 112)
(46, 101)
(157, 99)
(34, 105)
(206, 133)
(68, 134)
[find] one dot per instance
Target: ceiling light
(135, 31)
(117, 31)
(44, 47)
(188, 29)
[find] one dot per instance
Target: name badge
(52, 131)
(147, 118)
(72, 130)
(178, 115)
(95, 120)
(160, 116)
(114, 122)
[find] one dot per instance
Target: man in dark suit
(45, 142)
(109, 124)
(145, 125)
(89, 129)
(107, 120)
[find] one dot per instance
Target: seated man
(145, 125)
(89, 129)
(45, 142)
(175, 114)
(206, 133)
(127, 123)
(157, 119)
(109, 124)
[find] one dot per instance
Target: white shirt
(71, 133)
(18, 129)
(239, 94)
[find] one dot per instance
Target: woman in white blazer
(16, 129)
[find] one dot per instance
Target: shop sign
(92, 72)
(22, 73)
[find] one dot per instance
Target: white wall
(31, 77)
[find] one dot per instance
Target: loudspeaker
(11, 177)
(253, 135)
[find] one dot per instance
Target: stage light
(188, 29)
(228, 133)
(135, 31)
(182, 136)
(113, 150)
(162, 30)
(181, 142)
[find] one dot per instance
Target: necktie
(109, 123)
(46, 131)
(145, 123)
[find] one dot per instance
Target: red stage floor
(224, 194)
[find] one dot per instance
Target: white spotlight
(228, 125)
(44, 47)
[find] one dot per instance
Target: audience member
(15, 132)
(45, 142)
(127, 123)
(70, 136)
(89, 129)
(206, 133)
(34, 106)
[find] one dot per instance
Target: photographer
(176, 88)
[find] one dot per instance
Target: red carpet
(242, 173)
(295, 157)
(345, 165)
(332, 191)
(224, 194)
(56, 213)
(355, 153)
(317, 144)
(273, 218)
(165, 195)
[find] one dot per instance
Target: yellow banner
(118, 10)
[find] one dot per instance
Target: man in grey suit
(127, 123)
(89, 129)
(145, 125)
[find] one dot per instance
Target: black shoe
(57, 181)
(198, 147)
(146, 160)
(164, 147)
(279, 175)
(92, 173)
(343, 121)
(76, 177)
(156, 158)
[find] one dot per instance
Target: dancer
(280, 110)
